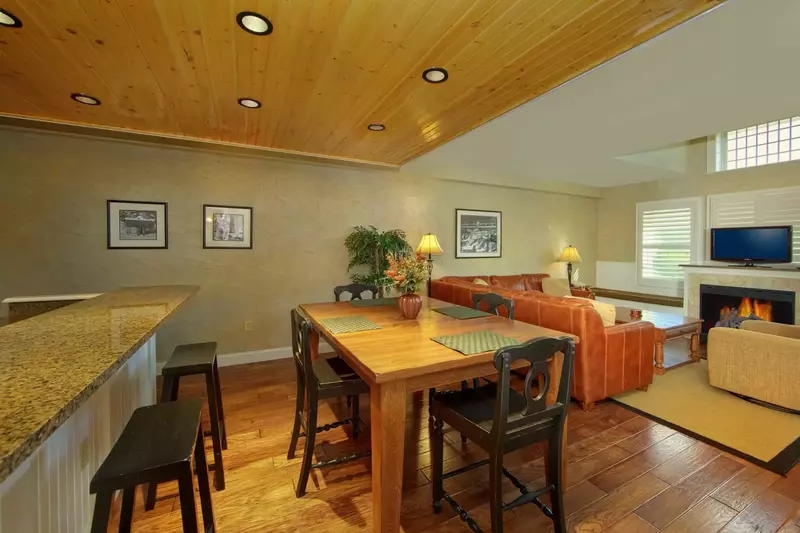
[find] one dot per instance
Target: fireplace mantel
(720, 269)
(778, 278)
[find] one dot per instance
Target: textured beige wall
(616, 211)
(53, 192)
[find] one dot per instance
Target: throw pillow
(556, 287)
(479, 281)
(607, 312)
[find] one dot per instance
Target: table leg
(552, 395)
(694, 346)
(313, 341)
(388, 423)
(659, 355)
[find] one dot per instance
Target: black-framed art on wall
(136, 224)
(227, 227)
(478, 233)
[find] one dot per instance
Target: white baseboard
(255, 356)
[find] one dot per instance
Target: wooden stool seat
(156, 446)
(189, 360)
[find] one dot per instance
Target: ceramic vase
(410, 305)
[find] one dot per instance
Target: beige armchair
(761, 360)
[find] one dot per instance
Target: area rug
(683, 400)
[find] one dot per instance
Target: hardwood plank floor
(627, 474)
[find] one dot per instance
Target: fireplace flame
(748, 307)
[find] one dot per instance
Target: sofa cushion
(556, 287)
(533, 282)
(515, 282)
(607, 312)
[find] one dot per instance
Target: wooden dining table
(400, 358)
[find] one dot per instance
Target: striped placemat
(374, 302)
(348, 324)
(474, 342)
(461, 313)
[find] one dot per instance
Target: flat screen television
(766, 244)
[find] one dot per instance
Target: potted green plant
(368, 248)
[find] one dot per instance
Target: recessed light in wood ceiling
(179, 67)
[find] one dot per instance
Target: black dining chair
(355, 290)
(317, 380)
(493, 302)
(500, 420)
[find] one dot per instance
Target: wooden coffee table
(668, 326)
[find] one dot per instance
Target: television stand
(748, 264)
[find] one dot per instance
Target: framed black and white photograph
(137, 224)
(478, 233)
(227, 226)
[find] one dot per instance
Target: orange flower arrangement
(409, 272)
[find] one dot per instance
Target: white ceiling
(735, 66)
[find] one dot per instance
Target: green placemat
(475, 342)
(375, 302)
(348, 324)
(461, 313)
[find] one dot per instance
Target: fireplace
(723, 306)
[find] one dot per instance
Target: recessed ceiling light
(435, 75)
(85, 99)
(254, 23)
(249, 103)
(7, 19)
(376, 127)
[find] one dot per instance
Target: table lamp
(570, 255)
(429, 245)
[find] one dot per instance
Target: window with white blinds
(669, 234)
(766, 207)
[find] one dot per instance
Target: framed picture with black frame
(227, 227)
(479, 234)
(133, 224)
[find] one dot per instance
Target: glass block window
(764, 144)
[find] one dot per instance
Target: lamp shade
(429, 245)
(570, 255)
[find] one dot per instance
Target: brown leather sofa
(608, 360)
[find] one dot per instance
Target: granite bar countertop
(50, 364)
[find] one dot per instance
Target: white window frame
(769, 143)
(698, 232)
(752, 195)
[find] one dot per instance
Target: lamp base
(569, 274)
(430, 273)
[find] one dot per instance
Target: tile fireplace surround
(778, 278)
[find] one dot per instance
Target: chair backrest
(493, 302)
(355, 290)
(301, 348)
(537, 352)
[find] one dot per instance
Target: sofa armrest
(755, 364)
(772, 328)
(582, 293)
(630, 326)
(627, 362)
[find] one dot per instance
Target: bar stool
(189, 360)
(156, 446)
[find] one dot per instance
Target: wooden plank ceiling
(329, 68)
